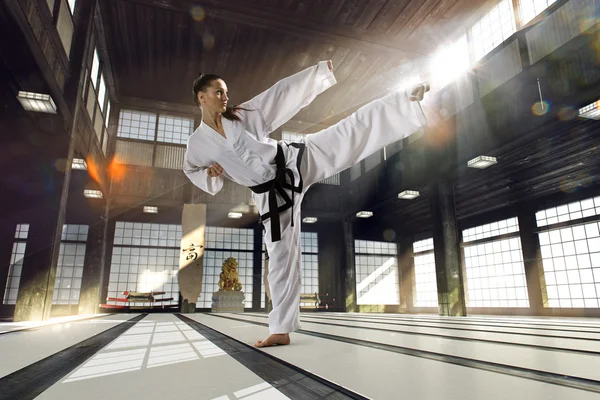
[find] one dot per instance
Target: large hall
(299, 199)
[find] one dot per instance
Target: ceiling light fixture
(234, 215)
(79, 163)
(151, 210)
(482, 162)
(364, 214)
(309, 220)
(37, 102)
(591, 111)
(408, 194)
(92, 194)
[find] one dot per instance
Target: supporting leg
(368, 130)
(284, 280)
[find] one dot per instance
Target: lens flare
(567, 113)
(208, 41)
(540, 108)
(93, 169)
(116, 170)
(198, 13)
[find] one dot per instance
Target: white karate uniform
(247, 157)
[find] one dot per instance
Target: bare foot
(276, 339)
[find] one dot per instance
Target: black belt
(278, 185)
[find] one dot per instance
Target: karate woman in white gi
(234, 143)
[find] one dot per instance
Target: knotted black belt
(278, 185)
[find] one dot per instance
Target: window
(69, 271)
(309, 243)
(137, 125)
(95, 68)
(493, 29)
(494, 268)
(310, 263)
(507, 226)
(102, 92)
(529, 9)
(174, 129)
(376, 273)
(107, 116)
(72, 6)
(425, 285)
(16, 264)
(222, 243)
(145, 258)
(568, 212)
(571, 257)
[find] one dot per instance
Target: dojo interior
(462, 262)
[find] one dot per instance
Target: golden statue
(228, 279)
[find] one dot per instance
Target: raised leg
(369, 129)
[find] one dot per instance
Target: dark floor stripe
(542, 376)
(381, 321)
(565, 349)
(29, 382)
(35, 328)
(472, 321)
(591, 331)
(292, 381)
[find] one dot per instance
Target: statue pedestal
(228, 301)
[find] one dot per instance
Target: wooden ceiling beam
(239, 12)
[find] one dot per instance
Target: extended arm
(275, 106)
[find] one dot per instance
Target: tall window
(493, 29)
(102, 92)
(95, 68)
(376, 273)
(494, 265)
(222, 243)
(69, 271)
(16, 264)
(529, 9)
(425, 285)
(145, 258)
(72, 6)
(571, 255)
(309, 242)
(137, 125)
(174, 129)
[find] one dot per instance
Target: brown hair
(205, 80)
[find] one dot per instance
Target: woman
(233, 143)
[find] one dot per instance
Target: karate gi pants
(330, 151)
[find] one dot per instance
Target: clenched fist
(215, 170)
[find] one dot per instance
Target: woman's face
(215, 98)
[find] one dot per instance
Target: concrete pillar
(451, 297)
(191, 259)
(406, 272)
(532, 259)
(350, 295)
(93, 269)
(36, 287)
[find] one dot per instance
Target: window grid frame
(424, 259)
(369, 257)
(126, 260)
(477, 295)
(13, 279)
(572, 275)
